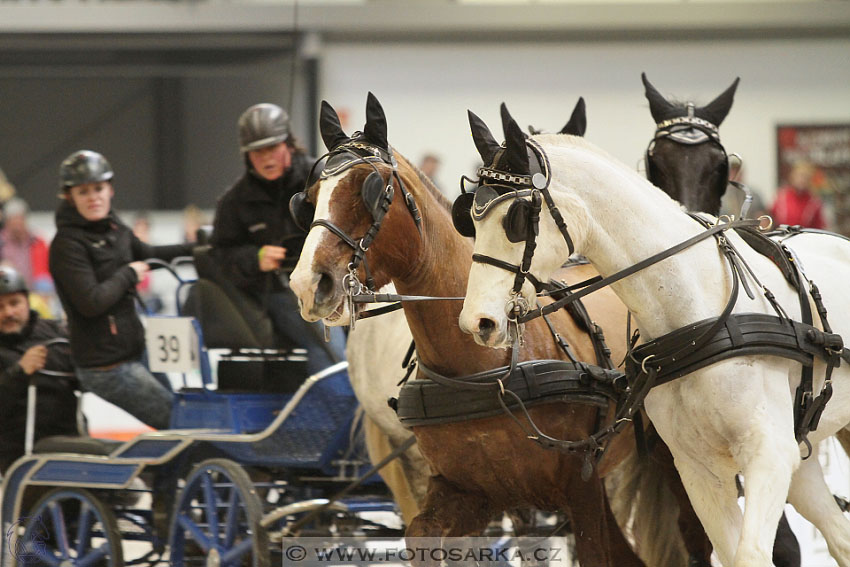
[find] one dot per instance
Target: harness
(697, 345)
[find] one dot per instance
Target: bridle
(522, 221)
(377, 196)
(688, 130)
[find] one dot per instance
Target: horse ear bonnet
(577, 124)
(330, 127)
(516, 220)
(461, 214)
(375, 129)
(716, 110)
(301, 210)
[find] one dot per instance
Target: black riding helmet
(84, 166)
(11, 281)
(262, 125)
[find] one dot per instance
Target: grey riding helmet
(11, 281)
(262, 125)
(84, 166)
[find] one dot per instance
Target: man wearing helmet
(96, 262)
(23, 354)
(254, 237)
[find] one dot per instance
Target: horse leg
(693, 534)
(621, 552)
(786, 548)
(399, 476)
(813, 499)
(446, 512)
(714, 497)
(593, 523)
(767, 470)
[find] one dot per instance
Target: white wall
(426, 89)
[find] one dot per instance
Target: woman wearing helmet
(254, 237)
(96, 262)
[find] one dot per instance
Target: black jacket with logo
(56, 407)
(254, 213)
(89, 264)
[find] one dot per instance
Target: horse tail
(647, 510)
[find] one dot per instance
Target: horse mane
(427, 183)
(570, 142)
(567, 141)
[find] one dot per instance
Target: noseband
(377, 197)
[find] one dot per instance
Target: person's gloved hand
(33, 359)
(271, 257)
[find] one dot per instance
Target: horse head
(352, 212)
(685, 157)
(509, 194)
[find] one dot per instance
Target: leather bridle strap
(643, 264)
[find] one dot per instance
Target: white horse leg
(813, 499)
(714, 496)
(770, 459)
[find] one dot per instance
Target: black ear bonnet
(514, 156)
(689, 125)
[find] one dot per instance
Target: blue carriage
(244, 459)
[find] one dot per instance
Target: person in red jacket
(24, 250)
(795, 203)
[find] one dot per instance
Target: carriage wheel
(217, 519)
(68, 527)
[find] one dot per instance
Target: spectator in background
(96, 262)
(23, 354)
(22, 249)
(795, 202)
(193, 220)
(430, 165)
(7, 190)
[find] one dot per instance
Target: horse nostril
(485, 327)
(325, 288)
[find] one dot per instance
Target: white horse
(734, 416)
(375, 369)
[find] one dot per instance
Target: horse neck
(438, 266)
(629, 220)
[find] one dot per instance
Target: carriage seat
(231, 319)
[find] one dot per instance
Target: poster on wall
(819, 156)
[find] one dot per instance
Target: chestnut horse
(485, 466)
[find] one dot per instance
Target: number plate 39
(172, 344)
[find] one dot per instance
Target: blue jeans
(131, 387)
(287, 322)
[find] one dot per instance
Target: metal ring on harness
(643, 363)
(769, 224)
(517, 307)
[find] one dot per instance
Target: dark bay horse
(485, 466)
(686, 160)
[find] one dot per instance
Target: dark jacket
(88, 262)
(253, 213)
(56, 407)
